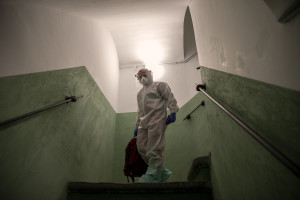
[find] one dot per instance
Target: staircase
(200, 169)
(198, 187)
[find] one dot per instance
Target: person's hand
(171, 118)
(135, 132)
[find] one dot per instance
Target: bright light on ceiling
(151, 54)
(157, 70)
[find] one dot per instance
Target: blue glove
(135, 132)
(171, 118)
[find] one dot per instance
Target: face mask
(144, 81)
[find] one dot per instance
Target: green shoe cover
(152, 175)
(165, 174)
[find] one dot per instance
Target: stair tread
(198, 163)
(168, 187)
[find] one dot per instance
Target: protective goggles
(142, 73)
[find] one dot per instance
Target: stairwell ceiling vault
(132, 23)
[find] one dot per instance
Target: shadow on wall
(284, 11)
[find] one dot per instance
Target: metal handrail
(189, 115)
(275, 152)
(67, 100)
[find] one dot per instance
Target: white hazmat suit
(153, 100)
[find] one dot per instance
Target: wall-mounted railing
(189, 115)
(275, 152)
(67, 100)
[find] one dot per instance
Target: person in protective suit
(152, 120)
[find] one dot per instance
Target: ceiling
(135, 25)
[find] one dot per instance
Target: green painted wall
(241, 168)
(125, 125)
(86, 140)
(72, 142)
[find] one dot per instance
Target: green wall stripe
(272, 111)
(72, 142)
(242, 168)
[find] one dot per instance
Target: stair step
(169, 190)
(200, 169)
(169, 187)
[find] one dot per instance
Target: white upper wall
(242, 37)
(35, 39)
(132, 23)
(181, 78)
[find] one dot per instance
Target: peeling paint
(262, 42)
(223, 60)
(240, 63)
(214, 44)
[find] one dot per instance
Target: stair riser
(183, 196)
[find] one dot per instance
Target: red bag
(134, 166)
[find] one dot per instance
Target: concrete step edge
(198, 163)
(130, 188)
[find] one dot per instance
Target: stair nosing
(130, 188)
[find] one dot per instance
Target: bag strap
(132, 178)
